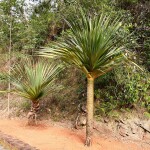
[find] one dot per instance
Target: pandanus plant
(92, 45)
(33, 80)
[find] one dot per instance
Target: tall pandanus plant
(33, 80)
(93, 46)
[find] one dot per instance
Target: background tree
(8, 13)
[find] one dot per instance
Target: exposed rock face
(133, 128)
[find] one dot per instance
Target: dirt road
(49, 137)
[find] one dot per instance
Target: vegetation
(84, 41)
(92, 46)
(33, 81)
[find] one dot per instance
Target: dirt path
(49, 137)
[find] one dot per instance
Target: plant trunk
(32, 115)
(90, 110)
(9, 63)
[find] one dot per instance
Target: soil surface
(52, 136)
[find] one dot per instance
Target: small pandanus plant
(33, 80)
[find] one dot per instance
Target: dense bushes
(126, 87)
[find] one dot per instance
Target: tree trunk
(9, 62)
(32, 115)
(90, 101)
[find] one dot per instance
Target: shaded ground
(47, 136)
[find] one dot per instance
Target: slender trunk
(32, 115)
(90, 110)
(9, 63)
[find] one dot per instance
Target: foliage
(25, 105)
(12, 13)
(92, 45)
(125, 88)
(33, 80)
(139, 10)
(133, 83)
(43, 23)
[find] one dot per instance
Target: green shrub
(25, 105)
(124, 88)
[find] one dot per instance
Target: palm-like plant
(33, 81)
(93, 47)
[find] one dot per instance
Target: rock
(133, 129)
(106, 120)
(129, 129)
(140, 132)
(146, 136)
(146, 125)
(123, 132)
(123, 129)
(82, 120)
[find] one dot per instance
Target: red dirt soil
(49, 137)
